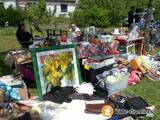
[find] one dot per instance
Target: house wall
(8, 3)
(50, 6)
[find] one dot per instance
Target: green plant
(17, 15)
(2, 15)
(39, 13)
(104, 13)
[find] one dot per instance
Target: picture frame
(131, 49)
(56, 66)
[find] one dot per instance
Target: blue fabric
(10, 92)
(115, 117)
(5, 106)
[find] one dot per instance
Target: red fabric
(120, 40)
(123, 42)
(112, 52)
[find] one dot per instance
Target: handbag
(136, 104)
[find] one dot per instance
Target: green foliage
(89, 13)
(12, 15)
(2, 15)
(41, 7)
(103, 13)
(39, 13)
(45, 17)
(31, 11)
(8, 39)
(17, 15)
(156, 4)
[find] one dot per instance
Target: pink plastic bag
(135, 77)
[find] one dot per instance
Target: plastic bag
(135, 77)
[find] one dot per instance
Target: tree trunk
(148, 23)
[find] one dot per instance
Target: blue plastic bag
(10, 93)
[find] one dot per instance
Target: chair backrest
(53, 34)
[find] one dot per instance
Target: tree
(103, 13)
(6, 15)
(39, 13)
(148, 22)
(2, 15)
(89, 12)
(41, 7)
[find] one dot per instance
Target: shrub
(93, 16)
(17, 15)
(2, 15)
(12, 15)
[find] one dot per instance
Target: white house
(7, 3)
(63, 7)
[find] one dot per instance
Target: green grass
(8, 39)
(147, 89)
(4, 69)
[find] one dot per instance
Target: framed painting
(56, 66)
(131, 49)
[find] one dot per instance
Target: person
(75, 33)
(130, 16)
(23, 36)
(137, 16)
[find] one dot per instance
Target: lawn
(8, 41)
(147, 89)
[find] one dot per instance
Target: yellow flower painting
(57, 67)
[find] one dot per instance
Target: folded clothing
(59, 94)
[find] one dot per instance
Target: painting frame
(37, 53)
(131, 49)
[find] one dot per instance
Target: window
(63, 7)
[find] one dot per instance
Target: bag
(136, 103)
(135, 77)
(94, 106)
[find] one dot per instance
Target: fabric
(46, 109)
(75, 33)
(135, 77)
(9, 60)
(24, 38)
(59, 94)
(68, 111)
(10, 93)
(85, 88)
(11, 81)
(98, 95)
(130, 18)
(17, 114)
(78, 106)
(5, 106)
